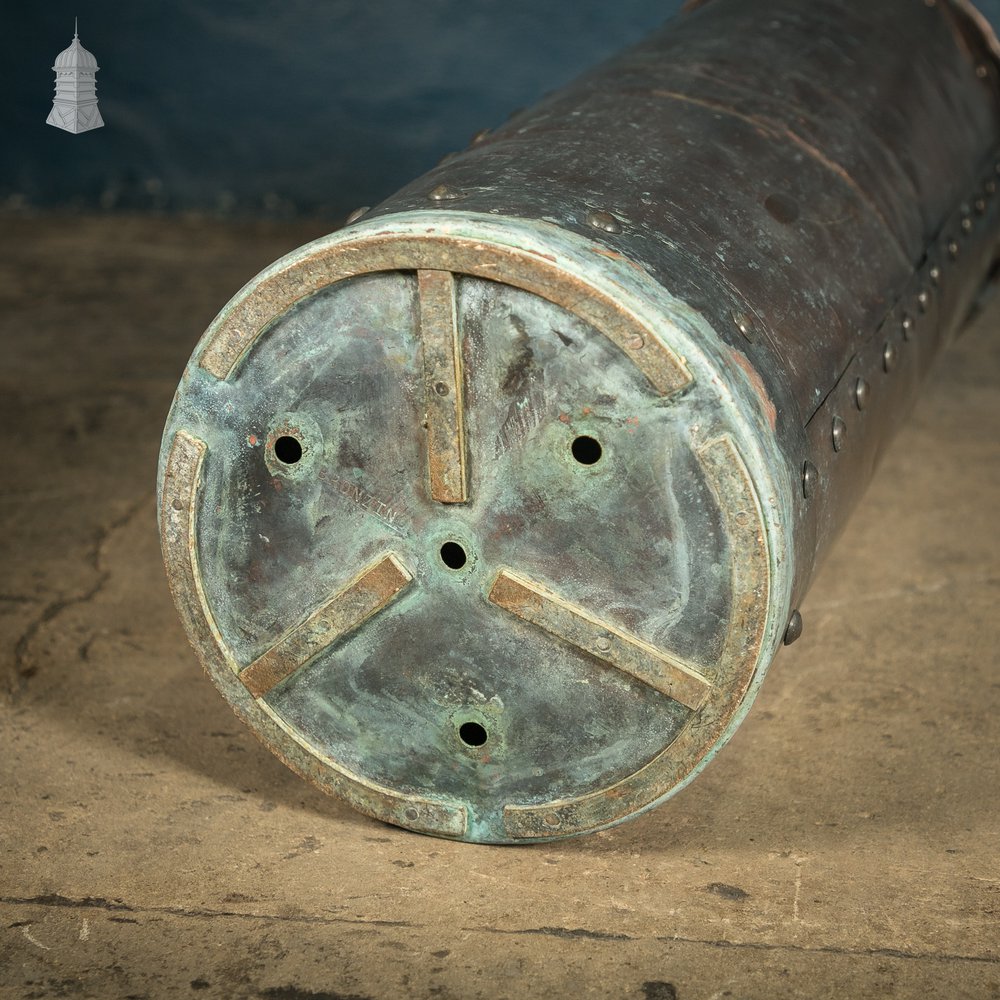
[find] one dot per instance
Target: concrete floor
(845, 844)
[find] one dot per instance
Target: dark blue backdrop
(284, 107)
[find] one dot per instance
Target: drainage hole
(454, 557)
(586, 450)
(287, 449)
(472, 734)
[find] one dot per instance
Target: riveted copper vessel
(489, 511)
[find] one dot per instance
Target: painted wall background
(284, 108)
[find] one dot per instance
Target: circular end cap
(463, 538)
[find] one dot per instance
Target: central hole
(472, 734)
(454, 557)
(586, 450)
(287, 449)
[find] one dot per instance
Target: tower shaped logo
(75, 106)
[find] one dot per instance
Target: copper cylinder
(489, 511)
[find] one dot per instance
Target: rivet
(923, 299)
(744, 325)
(906, 325)
(810, 479)
(635, 342)
(177, 503)
(991, 186)
(356, 214)
(838, 431)
(441, 388)
(966, 225)
(952, 249)
(980, 204)
(888, 356)
(794, 628)
(411, 814)
(603, 644)
(444, 193)
(862, 393)
(982, 72)
(551, 820)
(604, 221)
(935, 274)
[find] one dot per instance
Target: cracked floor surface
(846, 843)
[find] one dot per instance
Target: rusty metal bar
(371, 591)
(443, 386)
(574, 625)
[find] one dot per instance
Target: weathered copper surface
(489, 512)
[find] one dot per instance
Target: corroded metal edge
(178, 537)
(536, 604)
(351, 606)
(483, 251)
(708, 727)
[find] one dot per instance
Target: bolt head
(604, 221)
(838, 433)
(794, 629)
(862, 393)
(744, 325)
(889, 356)
(443, 193)
(810, 480)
